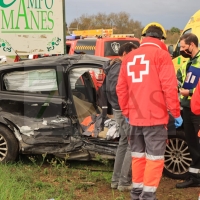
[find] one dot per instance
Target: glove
(127, 120)
(178, 121)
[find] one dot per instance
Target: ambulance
(193, 26)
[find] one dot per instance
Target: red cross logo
(138, 69)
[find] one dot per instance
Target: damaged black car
(50, 106)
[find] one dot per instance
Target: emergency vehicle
(100, 45)
(193, 26)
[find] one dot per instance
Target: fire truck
(105, 45)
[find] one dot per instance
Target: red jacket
(147, 85)
(195, 101)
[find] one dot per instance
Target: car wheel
(9, 147)
(177, 157)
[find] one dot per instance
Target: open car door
(86, 112)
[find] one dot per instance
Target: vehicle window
(177, 49)
(111, 48)
(83, 91)
(41, 81)
(85, 46)
(76, 75)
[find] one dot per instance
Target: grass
(28, 182)
(13, 57)
(44, 177)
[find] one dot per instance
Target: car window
(41, 81)
(85, 46)
(76, 75)
(82, 81)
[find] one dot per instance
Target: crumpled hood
(107, 65)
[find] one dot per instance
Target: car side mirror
(171, 49)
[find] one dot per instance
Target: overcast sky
(170, 13)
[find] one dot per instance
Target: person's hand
(127, 120)
(184, 92)
(178, 121)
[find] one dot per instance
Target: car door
(33, 99)
(83, 95)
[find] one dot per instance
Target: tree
(175, 30)
(120, 22)
(173, 35)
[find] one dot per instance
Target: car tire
(9, 147)
(177, 157)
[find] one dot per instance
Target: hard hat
(164, 36)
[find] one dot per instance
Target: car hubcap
(177, 156)
(3, 148)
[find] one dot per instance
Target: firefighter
(147, 89)
(188, 75)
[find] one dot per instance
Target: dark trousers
(191, 124)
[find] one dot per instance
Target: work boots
(193, 180)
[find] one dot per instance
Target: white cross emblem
(141, 72)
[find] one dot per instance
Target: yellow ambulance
(193, 26)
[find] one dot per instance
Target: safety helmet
(164, 36)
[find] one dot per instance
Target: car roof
(57, 60)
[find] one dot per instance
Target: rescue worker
(147, 89)
(188, 75)
(195, 101)
(121, 178)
